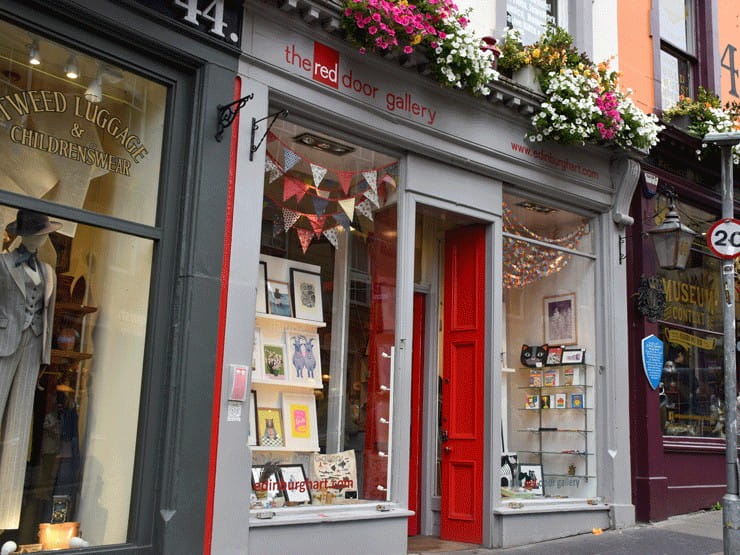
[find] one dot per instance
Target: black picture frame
(261, 302)
(272, 483)
(573, 355)
(305, 294)
(300, 492)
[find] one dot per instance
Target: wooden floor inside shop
(432, 544)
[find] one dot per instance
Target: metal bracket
(254, 147)
(227, 113)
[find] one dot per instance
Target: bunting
(345, 180)
(372, 196)
(372, 179)
(319, 205)
(293, 187)
(289, 218)
(348, 205)
(318, 174)
(365, 209)
(272, 169)
(331, 236)
(317, 223)
(290, 159)
(304, 236)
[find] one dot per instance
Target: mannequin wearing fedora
(27, 289)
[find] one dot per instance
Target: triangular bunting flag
(365, 209)
(323, 194)
(289, 218)
(318, 174)
(272, 169)
(304, 236)
(373, 197)
(290, 159)
(343, 220)
(319, 205)
(293, 187)
(345, 180)
(331, 235)
(371, 177)
(389, 180)
(317, 223)
(348, 205)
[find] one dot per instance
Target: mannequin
(27, 291)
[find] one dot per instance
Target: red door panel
(417, 412)
(461, 427)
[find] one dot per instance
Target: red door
(417, 413)
(461, 426)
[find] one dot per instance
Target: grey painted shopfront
(436, 203)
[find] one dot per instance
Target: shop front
(678, 429)
(98, 265)
(425, 313)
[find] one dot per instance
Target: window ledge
(312, 514)
(533, 506)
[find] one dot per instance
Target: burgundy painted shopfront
(677, 430)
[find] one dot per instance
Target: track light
(34, 58)
(70, 68)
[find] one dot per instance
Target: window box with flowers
(702, 115)
(434, 29)
(584, 103)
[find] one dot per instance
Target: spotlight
(70, 69)
(34, 58)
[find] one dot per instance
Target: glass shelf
(573, 453)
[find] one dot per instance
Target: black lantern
(672, 240)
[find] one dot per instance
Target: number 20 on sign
(724, 238)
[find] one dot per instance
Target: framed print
(574, 356)
(532, 402)
(560, 320)
(261, 303)
(304, 357)
(576, 400)
(554, 356)
(273, 361)
(299, 412)
(270, 427)
(306, 290)
(338, 469)
(530, 476)
(252, 439)
(278, 298)
(293, 479)
(257, 358)
(560, 401)
(265, 482)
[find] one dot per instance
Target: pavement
(691, 534)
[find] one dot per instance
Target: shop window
(325, 323)
(678, 60)
(78, 132)
(691, 328)
(530, 17)
(549, 401)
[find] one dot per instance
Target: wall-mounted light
(34, 55)
(70, 68)
(672, 239)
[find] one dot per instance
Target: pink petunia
(407, 49)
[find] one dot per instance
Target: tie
(24, 255)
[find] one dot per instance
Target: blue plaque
(652, 359)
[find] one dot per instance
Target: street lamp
(730, 501)
(672, 239)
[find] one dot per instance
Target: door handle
(448, 450)
(443, 436)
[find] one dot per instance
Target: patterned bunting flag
(319, 205)
(317, 223)
(365, 209)
(323, 194)
(289, 218)
(348, 205)
(304, 236)
(318, 174)
(293, 187)
(371, 177)
(345, 180)
(272, 169)
(290, 159)
(389, 180)
(343, 220)
(373, 197)
(331, 235)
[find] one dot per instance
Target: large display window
(549, 401)
(78, 133)
(322, 386)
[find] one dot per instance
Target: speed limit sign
(724, 238)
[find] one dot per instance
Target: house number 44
(213, 13)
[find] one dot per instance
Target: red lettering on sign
(325, 65)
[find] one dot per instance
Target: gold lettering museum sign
(25, 103)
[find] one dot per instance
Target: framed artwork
(576, 400)
(278, 298)
(508, 469)
(306, 293)
(560, 320)
(554, 356)
(273, 361)
(265, 483)
(532, 402)
(257, 358)
(560, 401)
(252, 439)
(574, 356)
(304, 357)
(338, 469)
(293, 479)
(530, 476)
(261, 303)
(545, 401)
(301, 431)
(270, 427)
